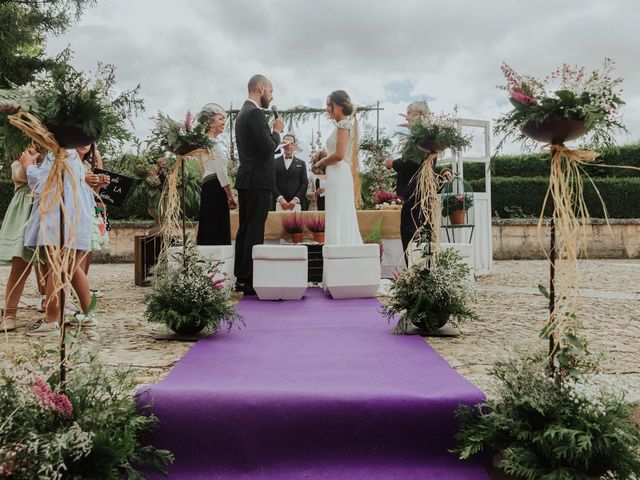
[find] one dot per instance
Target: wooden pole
(378, 124)
(184, 214)
(63, 276)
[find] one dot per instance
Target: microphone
(274, 109)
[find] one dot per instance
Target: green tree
(25, 27)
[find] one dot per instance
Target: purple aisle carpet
(316, 389)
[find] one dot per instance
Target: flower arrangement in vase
(566, 104)
(189, 295)
(293, 224)
(431, 292)
(75, 107)
(432, 133)
(180, 138)
(315, 224)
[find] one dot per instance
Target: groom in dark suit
(255, 179)
(291, 177)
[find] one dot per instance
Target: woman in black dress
(216, 198)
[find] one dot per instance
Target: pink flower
(187, 120)
(523, 98)
(384, 196)
(217, 280)
(460, 198)
(50, 400)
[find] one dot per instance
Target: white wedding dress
(341, 221)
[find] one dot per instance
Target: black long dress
(214, 227)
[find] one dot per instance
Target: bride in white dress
(341, 221)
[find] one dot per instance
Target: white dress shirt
(216, 164)
(287, 162)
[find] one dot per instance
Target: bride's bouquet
(315, 158)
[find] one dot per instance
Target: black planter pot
(431, 146)
(70, 135)
(555, 130)
(188, 328)
(184, 149)
(436, 319)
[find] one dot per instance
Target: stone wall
(515, 239)
(512, 239)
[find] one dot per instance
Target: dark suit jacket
(256, 146)
(406, 178)
(290, 182)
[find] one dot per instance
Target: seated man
(291, 177)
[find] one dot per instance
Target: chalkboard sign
(116, 191)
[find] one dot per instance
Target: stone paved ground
(511, 313)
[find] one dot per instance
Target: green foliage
(179, 137)
(540, 428)
(537, 164)
(593, 98)
(441, 129)
(375, 176)
(65, 95)
(437, 284)
(151, 166)
(191, 295)
(24, 32)
(621, 196)
(91, 429)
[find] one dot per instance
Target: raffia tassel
(570, 215)
(355, 165)
(52, 194)
(427, 199)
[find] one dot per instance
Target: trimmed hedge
(519, 196)
(511, 197)
(537, 164)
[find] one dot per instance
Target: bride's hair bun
(341, 98)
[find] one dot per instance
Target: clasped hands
(287, 205)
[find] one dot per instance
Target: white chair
(280, 271)
(212, 253)
(352, 271)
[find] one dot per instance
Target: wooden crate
(146, 252)
(315, 262)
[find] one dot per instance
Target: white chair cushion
(368, 250)
(279, 252)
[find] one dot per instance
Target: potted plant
(430, 293)
(455, 207)
(293, 225)
(564, 106)
(180, 138)
(92, 427)
(580, 426)
(315, 224)
(386, 200)
(189, 295)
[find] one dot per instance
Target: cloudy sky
(188, 53)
